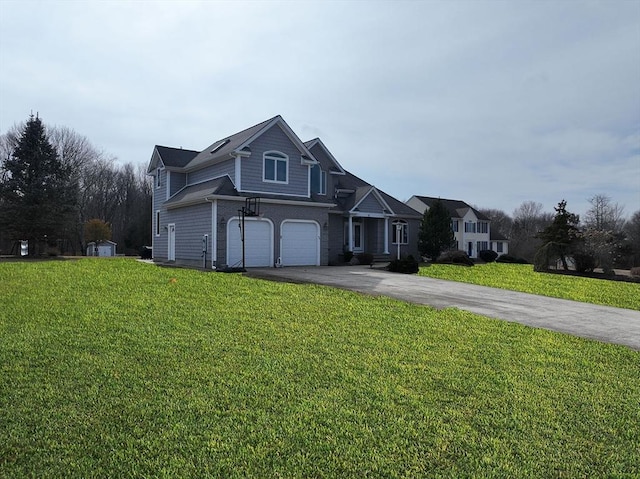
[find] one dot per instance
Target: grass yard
(113, 368)
(521, 277)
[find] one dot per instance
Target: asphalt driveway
(602, 323)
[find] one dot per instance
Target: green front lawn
(521, 277)
(113, 368)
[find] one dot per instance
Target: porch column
(350, 233)
(386, 235)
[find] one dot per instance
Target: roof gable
(367, 199)
(317, 144)
(239, 144)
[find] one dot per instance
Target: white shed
(103, 248)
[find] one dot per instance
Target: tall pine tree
(559, 238)
(435, 234)
(37, 195)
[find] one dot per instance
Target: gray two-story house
(262, 197)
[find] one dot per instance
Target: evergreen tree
(435, 234)
(37, 195)
(559, 238)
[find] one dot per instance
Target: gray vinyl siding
(177, 182)
(191, 224)
(370, 205)
(252, 167)
(412, 238)
(319, 154)
(159, 243)
(213, 171)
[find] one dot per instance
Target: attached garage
(300, 243)
(258, 243)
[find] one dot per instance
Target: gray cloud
(491, 102)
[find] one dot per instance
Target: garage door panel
(300, 243)
(258, 243)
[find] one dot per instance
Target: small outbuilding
(103, 248)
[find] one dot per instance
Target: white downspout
(350, 233)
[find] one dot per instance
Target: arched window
(275, 167)
(399, 230)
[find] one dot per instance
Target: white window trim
(275, 156)
(158, 178)
(157, 223)
(322, 190)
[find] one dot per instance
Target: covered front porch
(385, 237)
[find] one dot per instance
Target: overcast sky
(490, 102)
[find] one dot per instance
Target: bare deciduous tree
(604, 215)
(528, 220)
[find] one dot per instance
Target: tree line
(603, 239)
(53, 182)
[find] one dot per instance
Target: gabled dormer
(267, 158)
(324, 174)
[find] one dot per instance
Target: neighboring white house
(471, 229)
(105, 248)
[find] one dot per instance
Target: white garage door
(300, 243)
(104, 250)
(258, 243)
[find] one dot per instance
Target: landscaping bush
(365, 258)
(455, 257)
(347, 256)
(487, 255)
(505, 258)
(585, 263)
(404, 265)
(635, 271)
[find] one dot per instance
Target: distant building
(471, 229)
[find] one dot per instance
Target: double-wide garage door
(299, 243)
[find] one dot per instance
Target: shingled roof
(456, 208)
(175, 157)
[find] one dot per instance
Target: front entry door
(358, 237)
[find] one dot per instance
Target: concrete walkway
(602, 323)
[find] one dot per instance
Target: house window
(318, 180)
(157, 223)
(399, 230)
(469, 227)
(498, 246)
(275, 167)
(482, 245)
(483, 227)
(158, 178)
(454, 226)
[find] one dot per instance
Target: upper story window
(318, 180)
(483, 227)
(399, 231)
(158, 178)
(276, 167)
(469, 227)
(454, 226)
